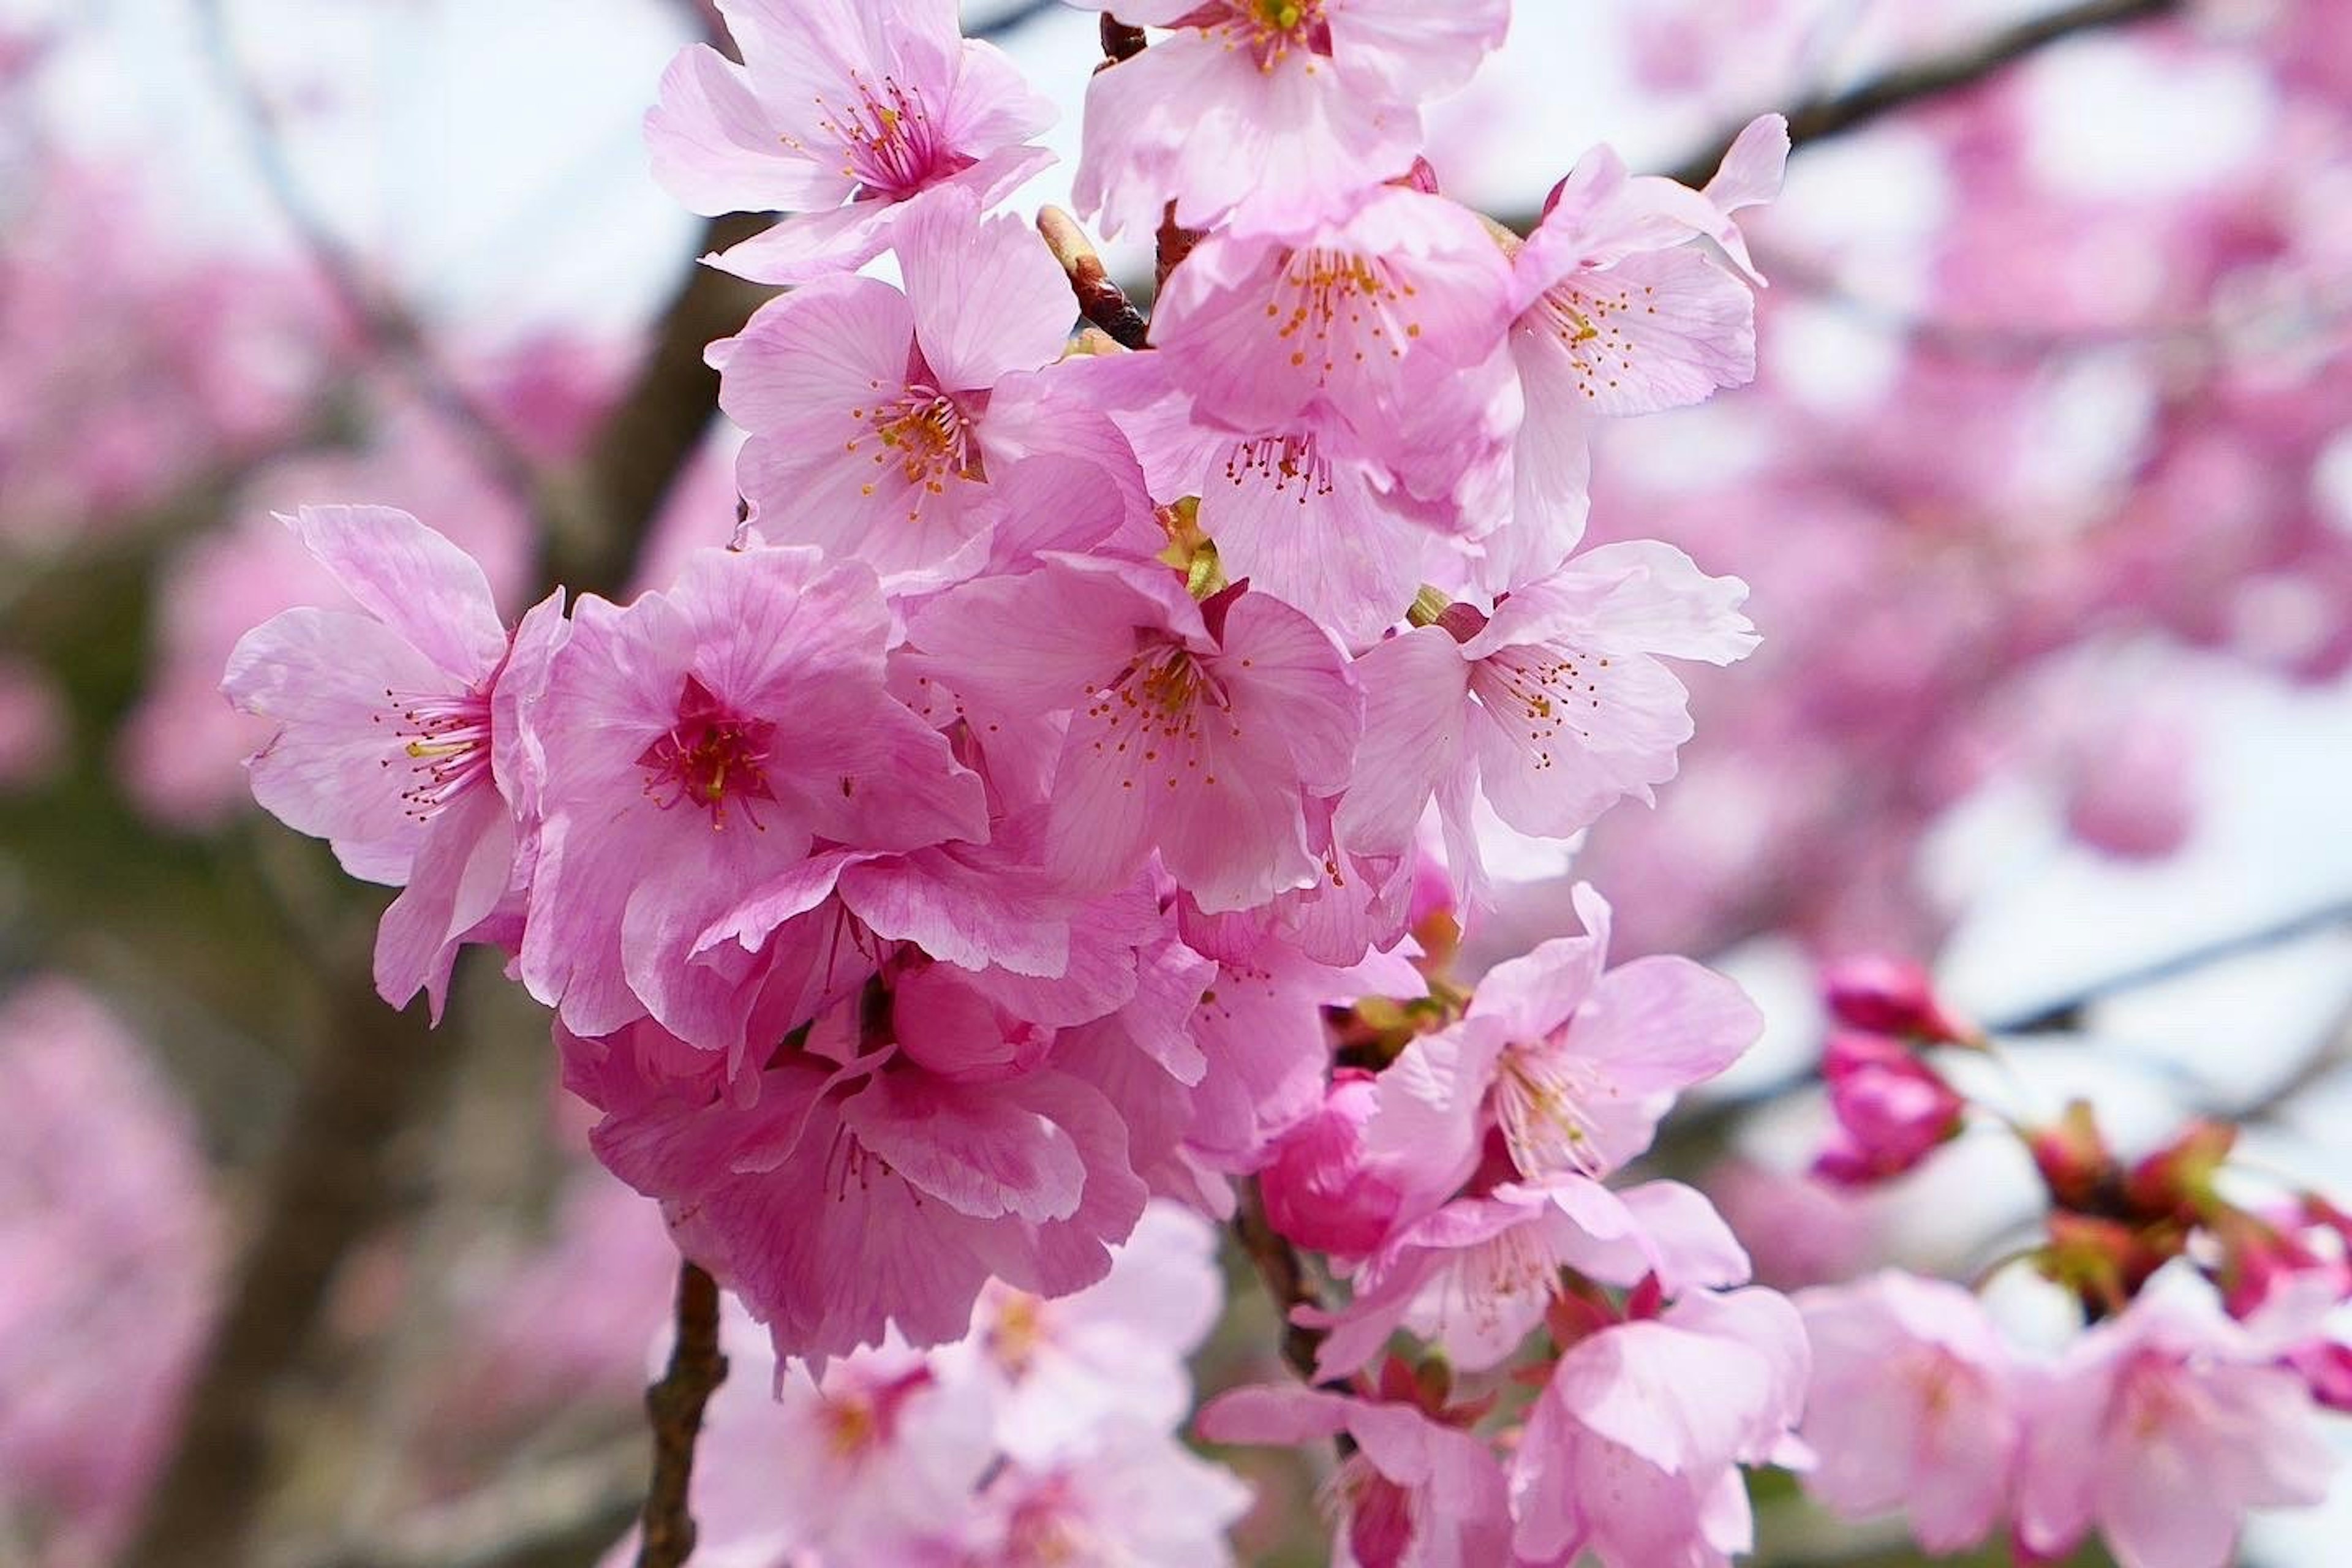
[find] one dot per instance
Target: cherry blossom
(844, 116)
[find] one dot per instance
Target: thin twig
(388, 325)
(1100, 300)
(674, 1406)
(1834, 114)
(2068, 1011)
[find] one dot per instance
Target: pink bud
(1890, 996)
(1317, 1191)
(1892, 1108)
(2326, 1366)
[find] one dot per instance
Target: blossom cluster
(1047, 1434)
(1067, 787)
(2191, 1394)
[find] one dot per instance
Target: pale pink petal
(951, 258)
(978, 1150)
(428, 591)
(1416, 695)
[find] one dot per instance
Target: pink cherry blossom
(925, 1186)
(698, 742)
(882, 424)
(1631, 1453)
(1914, 1407)
(1554, 707)
(1619, 313)
(1133, 1496)
(844, 115)
(1113, 1352)
(1474, 1277)
(1292, 511)
(398, 729)
(2161, 1427)
(1575, 1067)
(1317, 1188)
(1269, 115)
(1378, 335)
(1196, 730)
(1417, 1493)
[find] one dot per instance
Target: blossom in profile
(1620, 309)
(1915, 1406)
(399, 735)
(1892, 1110)
(1554, 706)
(1633, 1451)
(1260, 116)
(843, 115)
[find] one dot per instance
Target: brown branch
(1834, 114)
(1121, 41)
(384, 321)
(653, 432)
(696, 1368)
(1100, 300)
(1280, 1269)
(335, 1179)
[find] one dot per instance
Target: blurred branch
(332, 1182)
(555, 1515)
(1834, 114)
(653, 431)
(386, 323)
(696, 1368)
(2067, 1013)
(1283, 1275)
(1820, 118)
(1713, 1118)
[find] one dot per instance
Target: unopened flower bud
(2072, 1156)
(1891, 997)
(1318, 1192)
(2177, 1180)
(1892, 1109)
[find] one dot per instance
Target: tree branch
(653, 432)
(696, 1368)
(1283, 1275)
(1834, 114)
(1100, 301)
(335, 1181)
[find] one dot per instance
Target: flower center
(1335, 308)
(1271, 31)
(709, 757)
(447, 741)
(890, 143)
(1587, 323)
(1283, 461)
(1540, 1099)
(1535, 692)
(931, 438)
